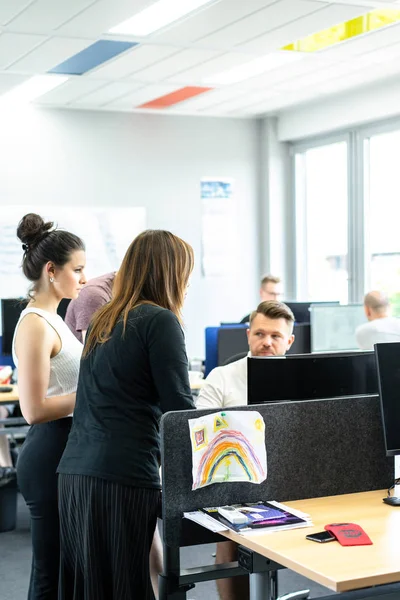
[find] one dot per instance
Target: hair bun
(32, 228)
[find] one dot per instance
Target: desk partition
(314, 448)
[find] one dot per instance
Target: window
(382, 226)
(321, 189)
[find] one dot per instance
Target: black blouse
(124, 387)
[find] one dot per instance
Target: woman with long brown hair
(134, 368)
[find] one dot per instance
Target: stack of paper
(262, 517)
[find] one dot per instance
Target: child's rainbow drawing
(228, 446)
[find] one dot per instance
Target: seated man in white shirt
(381, 327)
(270, 333)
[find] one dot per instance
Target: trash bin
(8, 505)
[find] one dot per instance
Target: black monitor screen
(388, 364)
(301, 310)
(11, 309)
(311, 376)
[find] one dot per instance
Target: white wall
(82, 158)
(341, 111)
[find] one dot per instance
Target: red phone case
(349, 534)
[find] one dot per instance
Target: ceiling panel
(135, 60)
(212, 18)
(150, 92)
(46, 15)
(257, 24)
(71, 90)
(311, 23)
(244, 100)
(101, 16)
(15, 45)
(49, 54)
(10, 8)
(210, 99)
(309, 64)
(180, 61)
(211, 67)
(364, 43)
(107, 94)
(8, 81)
(363, 77)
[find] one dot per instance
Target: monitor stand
(394, 498)
(396, 489)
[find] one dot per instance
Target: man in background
(95, 294)
(271, 289)
(381, 326)
(270, 333)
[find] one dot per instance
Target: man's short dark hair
(274, 310)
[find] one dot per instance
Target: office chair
(234, 358)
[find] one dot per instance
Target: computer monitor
(302, 310)
(11, 309)
(311, 376)
(333, 328)
(62, 307)
(388, 369)
(302, 339)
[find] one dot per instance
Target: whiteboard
(106, 232)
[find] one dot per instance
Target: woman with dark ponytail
(47, 355)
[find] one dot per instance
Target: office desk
(9, 397)
(332, 565)
(15, 425)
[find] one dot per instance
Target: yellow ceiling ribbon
(376, 19)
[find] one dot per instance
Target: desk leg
(260, 586)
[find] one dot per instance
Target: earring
(51, 279)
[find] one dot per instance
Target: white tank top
(64, 367)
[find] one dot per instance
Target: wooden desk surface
(332, 565)
(9, 397)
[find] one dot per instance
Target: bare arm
(34, 345)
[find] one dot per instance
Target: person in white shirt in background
(381, 326)
(270, 333)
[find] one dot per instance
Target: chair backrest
(234, 358)
(314, 448)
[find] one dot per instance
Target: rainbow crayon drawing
(228, 447)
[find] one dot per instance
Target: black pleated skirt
(106, 531)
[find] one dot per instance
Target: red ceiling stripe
(175, 97)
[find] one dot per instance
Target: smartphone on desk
(322, 537)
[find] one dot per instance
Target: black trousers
(36, 472)
(106, 531)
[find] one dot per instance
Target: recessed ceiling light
(156, 16)
(31, 89)
(255, 67)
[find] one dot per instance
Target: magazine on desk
(262, 517)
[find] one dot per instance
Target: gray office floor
(15, 561)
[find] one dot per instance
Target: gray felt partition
(314, 448)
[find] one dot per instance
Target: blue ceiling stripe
(91, 57)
